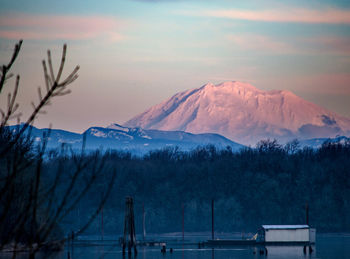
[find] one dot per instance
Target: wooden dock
(229, 242)
(248, 242)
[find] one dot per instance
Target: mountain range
(243, 113)
(135, 140)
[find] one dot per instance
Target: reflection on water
(327, 246)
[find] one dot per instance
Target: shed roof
(285, 226)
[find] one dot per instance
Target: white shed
(284, 234)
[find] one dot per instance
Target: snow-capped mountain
(135, 140)
(318, 142)
(243, 113)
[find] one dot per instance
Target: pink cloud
(330, 16)
(59, 27)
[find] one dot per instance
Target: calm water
(327, 246)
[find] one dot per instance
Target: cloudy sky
(134, 54)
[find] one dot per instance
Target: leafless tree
(31, 209)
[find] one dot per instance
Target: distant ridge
(243, 113)
(318, 142)
(139, 141)
(135, 140)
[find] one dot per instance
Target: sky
(134, 54)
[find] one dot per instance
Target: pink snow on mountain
(243, 113)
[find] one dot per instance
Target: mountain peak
(243, 113)
(231, 85)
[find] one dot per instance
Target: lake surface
(327, 246)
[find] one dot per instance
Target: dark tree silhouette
(34, 202)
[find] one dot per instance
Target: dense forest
(269, 184)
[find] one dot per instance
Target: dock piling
(129, 239)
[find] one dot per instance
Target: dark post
(129, 239)
(183, 222)
(102, 230)
(307, 213)
(143, 222)
(212, 219)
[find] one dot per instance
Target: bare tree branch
(6, 68)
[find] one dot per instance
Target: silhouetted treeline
(269, 184)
